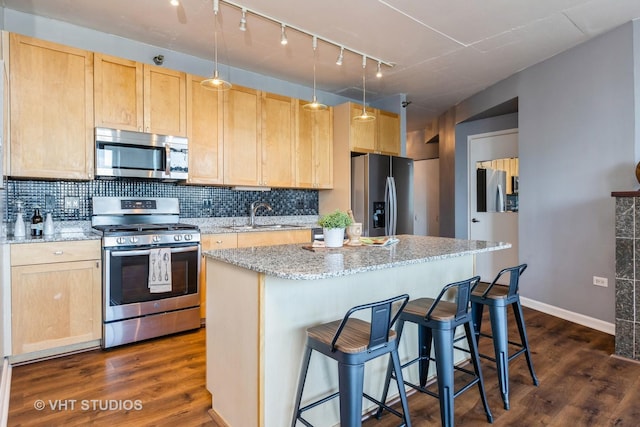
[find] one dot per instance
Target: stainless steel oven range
(151, 268)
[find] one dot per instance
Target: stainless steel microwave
(121, 153)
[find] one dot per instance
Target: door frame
(471, 169)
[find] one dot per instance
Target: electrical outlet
(600, 281)
(71, 203)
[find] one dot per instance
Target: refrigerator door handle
(392, 207)
(387, 206)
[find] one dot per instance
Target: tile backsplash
(195, 201)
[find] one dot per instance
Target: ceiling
(444, 50)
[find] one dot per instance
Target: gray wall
(578, 142)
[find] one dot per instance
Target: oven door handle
(148, 251)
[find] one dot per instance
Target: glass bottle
(36, 223)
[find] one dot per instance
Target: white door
(499, 149)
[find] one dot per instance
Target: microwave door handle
(167, 163)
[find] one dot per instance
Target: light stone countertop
(297, 263)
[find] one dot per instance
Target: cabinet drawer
(219, 241)
(268, 238)
(50, 252)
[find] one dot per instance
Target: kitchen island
(261, 300)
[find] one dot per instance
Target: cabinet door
(118, 93)
(204, 130)
(51, 99)
(242, 151)
(362, 135)
(323, 149)
(278, 141)
(314, 149)
(55, 305)
(388, 133)
(210, 242)
(165, 101)
(267, 238)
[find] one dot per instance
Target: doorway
(494, 197)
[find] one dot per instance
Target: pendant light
(364, 117)
(314, 105)
(215, 82)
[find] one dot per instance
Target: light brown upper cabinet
(314, 148)
(278, 141)
(204, 130)
(388, 140)
(133, 96)
(381, 135)
(242, 129)
(51, 110)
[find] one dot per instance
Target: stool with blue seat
(497, 297)
(352, 342)
(437, 320)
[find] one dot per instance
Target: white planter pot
(333, 237)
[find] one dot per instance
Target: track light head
(379, 72)
(283, 36)
(340, 56)
(243, 20)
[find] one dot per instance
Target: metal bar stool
(438, 319)
(497, 298)
(352, 342)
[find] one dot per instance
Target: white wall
(578, 142)
(426, 197)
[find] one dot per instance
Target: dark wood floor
(580, 385)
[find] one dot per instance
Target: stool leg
(517, 311)
(301, 381)
(350, 384)
(390, 367)
(475, 359)
(395, 359)
(498, 316)
(476, 314)
(424, 350)
(443, 343)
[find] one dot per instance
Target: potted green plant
(333, 225)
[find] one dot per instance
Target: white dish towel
(160, 270)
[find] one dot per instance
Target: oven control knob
(177, 237)
(188, 237)
(156, 238)
(120, 240)
(133, 239)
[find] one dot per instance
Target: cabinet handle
(58, 252)
(219, 242)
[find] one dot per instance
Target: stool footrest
(317, 402)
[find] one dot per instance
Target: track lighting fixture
(314, 105)
(215, 82)
(364, 117)
(243, 20)
(379, 72)
(283, 35)
(340, 56)
(174, 3)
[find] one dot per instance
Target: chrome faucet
(254, 207)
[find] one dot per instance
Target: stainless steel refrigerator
(491, 186)
(382, 194)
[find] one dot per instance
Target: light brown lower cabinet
(56, 297)
(210, 242)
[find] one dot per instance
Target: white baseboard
(581, 319)
(5, 392)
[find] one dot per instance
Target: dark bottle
(36, 223)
